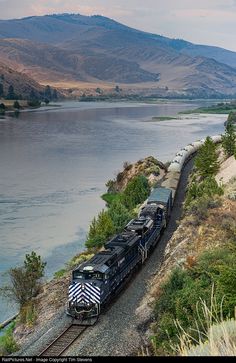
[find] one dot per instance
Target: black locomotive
(96, 280)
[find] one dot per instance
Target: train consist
(95, 281)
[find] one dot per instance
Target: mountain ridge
(78, 48)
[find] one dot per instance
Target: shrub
(60, 273)
(76, 260)
(181, 294)
(8, 344)
(34, 103)
(207, 188)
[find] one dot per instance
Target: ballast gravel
(120, 330)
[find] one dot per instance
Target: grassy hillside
(196, 288)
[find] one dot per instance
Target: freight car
(95, 281)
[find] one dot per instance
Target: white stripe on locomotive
(77, 293)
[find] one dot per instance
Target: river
(55, 163)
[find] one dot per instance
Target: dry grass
(218, 339)
(9, 103)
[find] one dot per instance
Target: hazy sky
(210, 22)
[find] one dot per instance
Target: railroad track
(63, 341)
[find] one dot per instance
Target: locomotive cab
(85, 292)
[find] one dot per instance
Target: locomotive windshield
(87, 275)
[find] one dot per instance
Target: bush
(76, 260)
(207, 188)
(110, 198)
(34, 103)
(60, 273)
(181, 294)
(8, 344)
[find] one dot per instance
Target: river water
(55, 163)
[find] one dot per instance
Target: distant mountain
(74, 48)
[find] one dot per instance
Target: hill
(71, 48)
(22, 84)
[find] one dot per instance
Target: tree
(25, 280)
(232, 117)
(117, 89)
(16, 105)
(1, 90)
(206, 161)
(34, 265)
(229, 140)
(136, 191)
(48, 93)
(119, 214)
(100, 230)
(11, 93)
(55, 95)
(207, 187)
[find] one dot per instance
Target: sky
(211, 22)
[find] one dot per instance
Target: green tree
(119, 214)
(11, 93)
(33, 96)
(207, 187)
(16, 105)
(54, 95)
(25, 280)
(206, 161)
(100, 230)
(48, 93)
(34, 265)
(229, 140)
(232, 117)
(136, 191)
(1, 90)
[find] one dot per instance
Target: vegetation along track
(63, 341)
(61, 344)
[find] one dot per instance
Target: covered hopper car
(95, 281)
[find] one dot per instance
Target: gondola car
(96, 280)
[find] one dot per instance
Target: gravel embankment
(120, 330)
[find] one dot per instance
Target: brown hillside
(23, 85)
